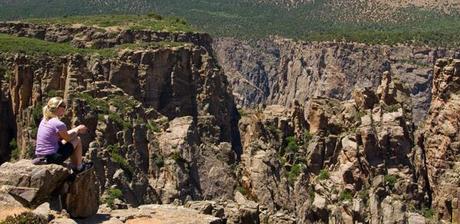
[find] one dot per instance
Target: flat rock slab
(164, 214)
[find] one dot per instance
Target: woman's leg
(76, 157)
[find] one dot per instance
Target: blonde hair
(49, 111)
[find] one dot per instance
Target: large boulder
(30, 184)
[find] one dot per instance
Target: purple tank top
(48, 136)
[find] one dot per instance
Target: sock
(77, 167)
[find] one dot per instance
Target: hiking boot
(84, 167)
(39, 161)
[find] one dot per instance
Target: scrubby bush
(292, 145)
(345, 196)
(25, 218)
(111, 195)
(390, 180)
(295, 171)
(323, 174)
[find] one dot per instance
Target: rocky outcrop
(30, 184)
(437, 142)
(35, 185)
(278, 71)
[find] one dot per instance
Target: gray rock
(32, 184)
(82, 200)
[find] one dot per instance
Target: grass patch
(115, 117)
(358, 114)
(31, 46)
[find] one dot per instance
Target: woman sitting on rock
(55, 143)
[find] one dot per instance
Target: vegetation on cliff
(321, 20)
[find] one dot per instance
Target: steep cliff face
(437, 141)
(7, 123)
(278, 71)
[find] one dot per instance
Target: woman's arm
(69, 135)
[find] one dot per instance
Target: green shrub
(427, 212)
(25, 218)
(153, 126)
(120, 160)
(295, 171)
(37, 115)
(177, 157)
(112, 194)
(345, 196)
(242, 112)
(15, 151)
(358, 114)
(242, 190)
(311, 193)
(323, 174)
(390, 180)
(307, 137)
(273, 129)
(95, 104)
(115, 117)
(124, 104)
(291, 144)
(158, 161)
(391, 108)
